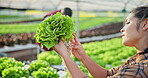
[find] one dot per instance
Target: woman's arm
(78, 51)
(73, 69)
(95, 70)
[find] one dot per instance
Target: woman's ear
(145, 25)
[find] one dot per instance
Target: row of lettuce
(10, 68)
(19, 34)
(107, 53)
(83, 24)
(14, 18)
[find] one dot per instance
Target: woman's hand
(61, 49)
(77, 48)
(75, 72)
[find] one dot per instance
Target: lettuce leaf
(55, 28)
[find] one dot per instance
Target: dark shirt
(51, 13)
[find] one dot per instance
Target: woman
(134, 33)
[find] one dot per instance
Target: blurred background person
(64, 11)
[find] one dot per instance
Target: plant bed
(21, 52)
(110, 53)
(25, 38)
(16, 22)
(19, 39)
(11, 68)
(102, 30)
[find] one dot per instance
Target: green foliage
(5, 58)
(34, 66)
(47, 72)
(110, 52)
(97, 21)
(14, 18)
(83, 68)
(9, 16)
(18, 28)
(10, 68)
(107, 53)
(84, 23)
(56, 27)
(51, 57)
(9, 62)
(15, 72)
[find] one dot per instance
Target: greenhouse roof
(87, 5)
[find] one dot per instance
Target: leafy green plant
(98, 21)
(9, 62)
(34, 66)
(47, 72)
(5, 58)
(84, 23)
(51, 57)
(108, 52)
(56, 27)
(14, 18)
(15, 72)
(18, 28)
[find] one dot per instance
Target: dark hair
(68, 11)
(140, 13)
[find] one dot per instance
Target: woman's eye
(127, 22)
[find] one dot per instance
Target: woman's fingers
(72, 41)
(75, 38)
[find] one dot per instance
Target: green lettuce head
(55, 28)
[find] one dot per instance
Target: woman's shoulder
(132, 70)
(142, 59)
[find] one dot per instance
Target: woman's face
(130, 34)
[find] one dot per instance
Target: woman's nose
(122, 30)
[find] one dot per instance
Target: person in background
(64, 11)
(134, 34)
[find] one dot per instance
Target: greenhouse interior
(27, 39)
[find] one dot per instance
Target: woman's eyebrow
(125, 20)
